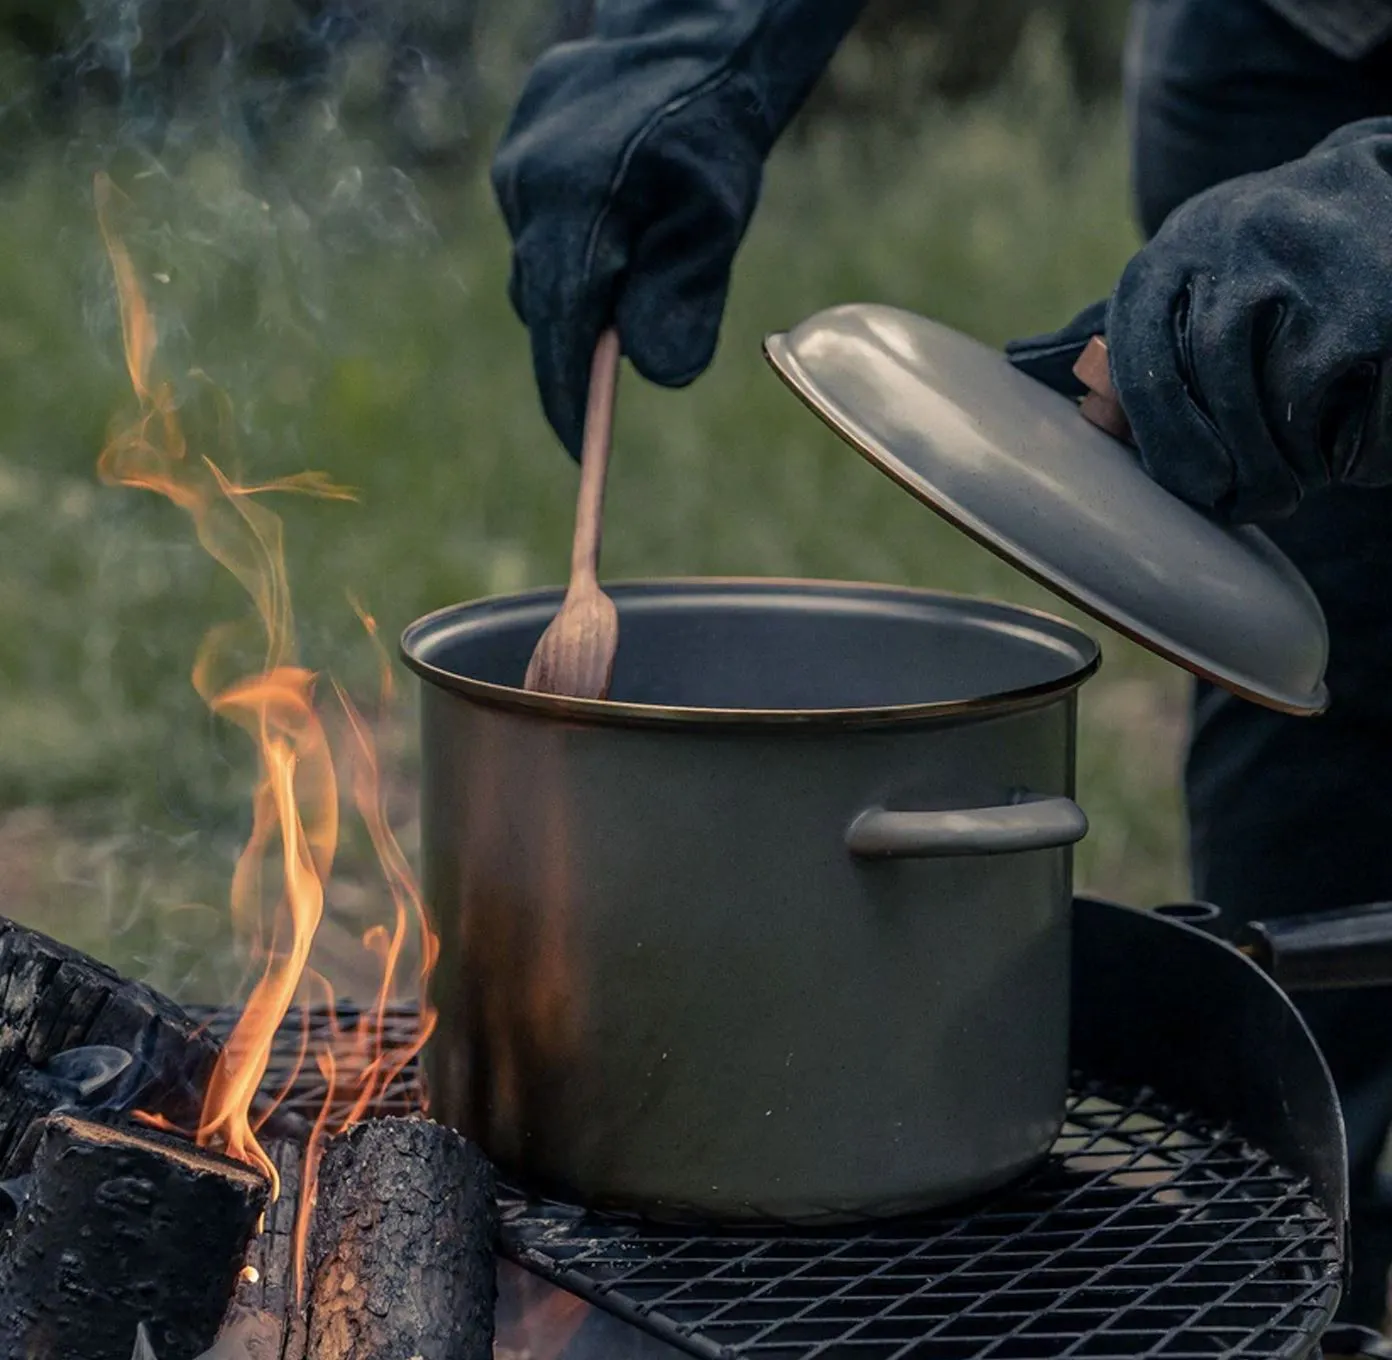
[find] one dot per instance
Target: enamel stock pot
(779, 929)
(782, 927)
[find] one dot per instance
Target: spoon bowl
(575, 655)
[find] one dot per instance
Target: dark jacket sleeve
(631, 168)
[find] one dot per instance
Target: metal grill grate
(306, 1094)
(1146, 1232)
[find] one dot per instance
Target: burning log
(117, 1228)
(403, 1246)
(403, 1239)
(74, 1034)
(264, 1317)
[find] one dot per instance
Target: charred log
(403, 1246)
(265, 1318)
(36, 1092)
(118, 1228)
(136, 1048)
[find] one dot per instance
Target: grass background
(371, 338)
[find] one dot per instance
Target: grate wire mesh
(1146, 1232)
(305, 1031)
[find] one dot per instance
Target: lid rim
(790, 370)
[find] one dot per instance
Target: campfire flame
(278, 887)
(536, 1320)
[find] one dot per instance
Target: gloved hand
(1251, 340)
(630, 171)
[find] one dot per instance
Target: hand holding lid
(1018, 467)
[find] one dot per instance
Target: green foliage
(409, 378)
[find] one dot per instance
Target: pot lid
(1017, 467)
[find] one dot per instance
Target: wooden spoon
(1101, 405)
(575, 655)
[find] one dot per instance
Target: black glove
(630, 171)
(1251, 340)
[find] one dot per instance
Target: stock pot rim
(440, 624)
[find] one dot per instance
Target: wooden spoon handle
(1102, 406)
(594, 461)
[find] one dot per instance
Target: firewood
(117, 1227)
(90, 1081)
(402, 1246)
(53, 1000)
(264, 1315)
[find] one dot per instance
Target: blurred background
(304, 191)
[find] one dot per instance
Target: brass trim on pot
(614, 713)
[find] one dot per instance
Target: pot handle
(1325, 950)
(1030, 823)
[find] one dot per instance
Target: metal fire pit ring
(1194, 1205)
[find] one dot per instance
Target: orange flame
(536, 1321)
(278, 887)
(297, 773)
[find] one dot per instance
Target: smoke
(90, 1080)
(280, 166)
(98, 1079)
(84, 1073)
(267, 156)
(161, 65)
(93, 1081)
(258, 148)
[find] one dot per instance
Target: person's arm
(631, 168)
(1251, 340)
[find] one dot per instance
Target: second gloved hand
(1251, 340)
